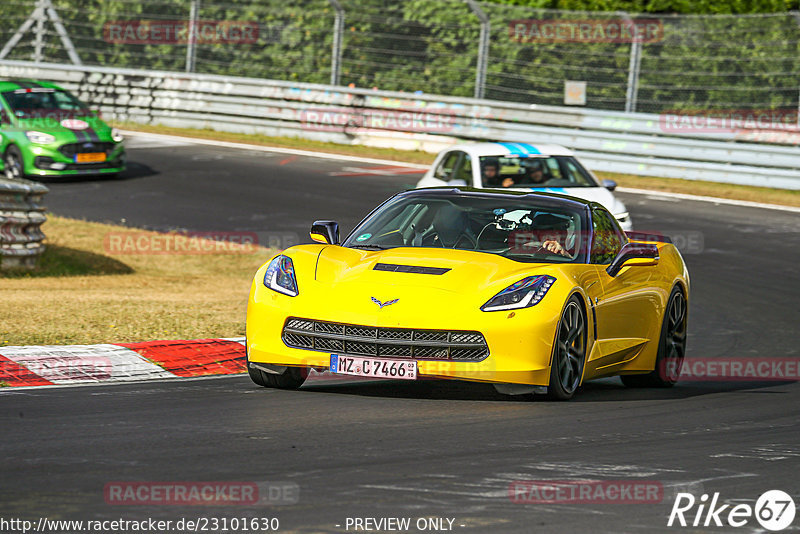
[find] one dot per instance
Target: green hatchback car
(46, 131)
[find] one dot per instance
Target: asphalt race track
(426, 449)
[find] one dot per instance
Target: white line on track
(356, 159)
(294, 151)
(715, 200)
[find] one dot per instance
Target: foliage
(719, 61)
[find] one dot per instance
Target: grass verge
(767, 195)
(80, 293)
(692, 187)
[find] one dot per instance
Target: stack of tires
(21, 217)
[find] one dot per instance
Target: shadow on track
(133, 170)
(605, 390)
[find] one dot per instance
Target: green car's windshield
(43, 102)
(534, 171)
(518, 228)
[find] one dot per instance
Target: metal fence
(619, 61)
(635, 143)
(21, 217)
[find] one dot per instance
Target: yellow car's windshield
(517, 228)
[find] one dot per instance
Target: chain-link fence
(620, 61)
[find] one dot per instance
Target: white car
(523, 167)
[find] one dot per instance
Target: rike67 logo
(774, 510)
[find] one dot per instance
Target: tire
(671, 347)
(569, 352)
(12, 164)
(291, 378)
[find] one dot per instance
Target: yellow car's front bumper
(520, 343)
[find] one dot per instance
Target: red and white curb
(119, 362)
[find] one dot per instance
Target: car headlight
(116, 136)
(523, 294)
(280, 276)
(622, 217)
(39, 138)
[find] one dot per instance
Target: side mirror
(634, 254)
(325, 232)
(609, 184)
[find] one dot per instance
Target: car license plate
(373, 367)
(90, 157)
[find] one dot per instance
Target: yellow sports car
(533, 292)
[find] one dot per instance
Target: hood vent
(409, 269)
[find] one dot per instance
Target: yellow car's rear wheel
(671, 347)
(569, 352)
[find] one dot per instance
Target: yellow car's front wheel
(290, 378)
(569, 352)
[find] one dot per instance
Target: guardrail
(633, 143)
(21, 217)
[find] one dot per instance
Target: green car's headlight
(523, 294)
(116, 136)
(280, 276)
(39, 138)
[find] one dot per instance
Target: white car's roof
(507, 149)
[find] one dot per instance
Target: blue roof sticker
(529, 148)
(511, 147)
(559, 190)
(520, 149)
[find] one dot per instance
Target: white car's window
(533, 171)
(573, 172)
(464, 171)
(446, 167)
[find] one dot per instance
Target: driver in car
(552, 245)
(534, 174)
(491, 172)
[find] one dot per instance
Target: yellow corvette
(532, 292)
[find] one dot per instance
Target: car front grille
(70, 149)
(358, 340)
